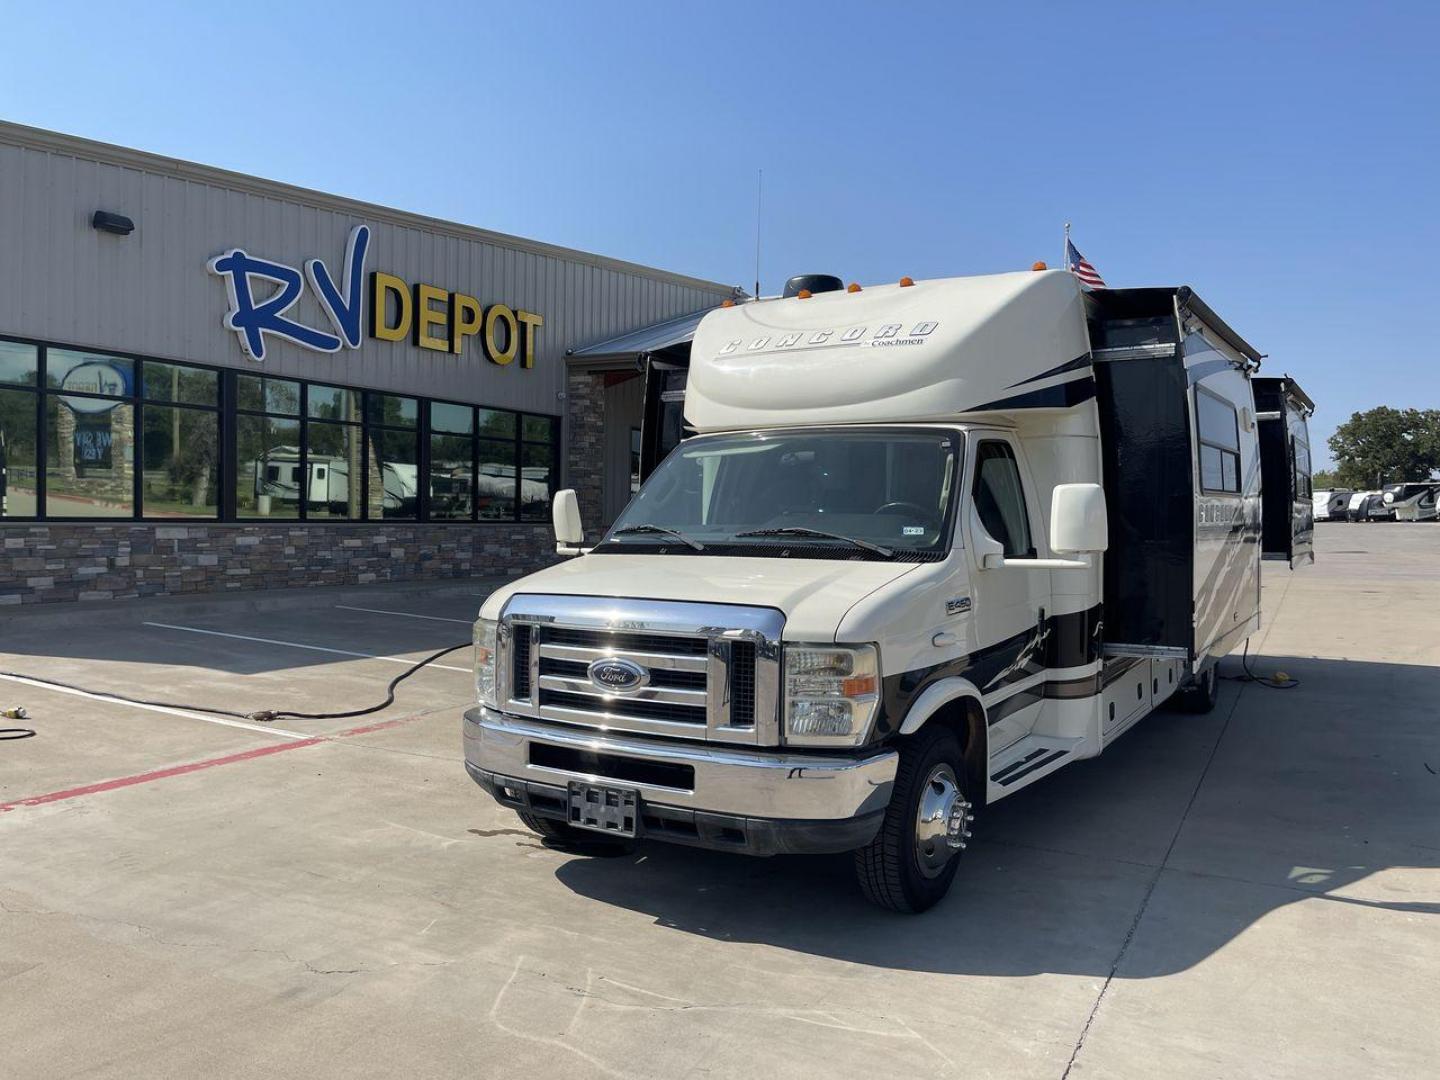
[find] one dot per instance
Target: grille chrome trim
(654, 661)
(648, 693)
(595, 628)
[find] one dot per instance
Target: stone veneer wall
(585, 404)
(57, 562)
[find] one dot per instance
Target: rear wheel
(1202, 693)
(912, 860)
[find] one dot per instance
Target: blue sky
(1280, 158)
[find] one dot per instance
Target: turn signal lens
(854, 286)
(906, 282)
(803, 294)
(485, 635)
(1039, 266)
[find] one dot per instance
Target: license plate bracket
(599, 808)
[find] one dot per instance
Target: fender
(933, 697)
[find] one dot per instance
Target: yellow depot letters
(432, 318)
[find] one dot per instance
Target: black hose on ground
(261, 715)
(1278, 681)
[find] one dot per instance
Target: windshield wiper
(801, 530)
(663, 531)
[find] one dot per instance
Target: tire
(1200, 696)
(891, 869)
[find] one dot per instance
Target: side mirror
(569, 533)
(1078, 521)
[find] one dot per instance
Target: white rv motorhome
(930, 543)
(1412, 502)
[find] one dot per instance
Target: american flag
(1087, 274)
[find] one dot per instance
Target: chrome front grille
(711, 671)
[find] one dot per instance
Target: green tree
(1326, 480)
(1385, 445)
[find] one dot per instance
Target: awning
(655, 339)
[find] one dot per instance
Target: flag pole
(1065, 252)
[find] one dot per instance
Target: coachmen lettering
(430, 317)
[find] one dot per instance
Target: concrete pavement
(1251, 893)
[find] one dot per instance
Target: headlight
(831, 694)
(485, 636)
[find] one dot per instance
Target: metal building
(212, 381)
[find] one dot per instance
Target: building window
(1219, 431)
(333, 484)
(452, 462)
(87, 435)
(19, 427)
(392, 475)
(496, 481)
(180, 441)
(268, 461)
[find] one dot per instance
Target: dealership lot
(1253, 892)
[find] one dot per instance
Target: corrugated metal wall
(150, 292)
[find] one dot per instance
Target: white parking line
(407, 614)
(300, 645)
(264, 729)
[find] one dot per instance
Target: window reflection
(89, 457)
(17, 454)
(181, 462)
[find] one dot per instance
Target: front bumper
(727, 798)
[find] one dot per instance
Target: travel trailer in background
(926, 544)
(1360, 504)
(1411, 502)
(1331, 504)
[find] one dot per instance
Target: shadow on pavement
(1309, 793)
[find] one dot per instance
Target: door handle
(944, 640)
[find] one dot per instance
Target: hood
(814, 594)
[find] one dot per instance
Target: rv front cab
(1077, 527)
(569, 532)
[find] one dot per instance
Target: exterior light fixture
(118, 224)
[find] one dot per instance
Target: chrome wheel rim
(942, 821)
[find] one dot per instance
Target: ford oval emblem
(617, 676)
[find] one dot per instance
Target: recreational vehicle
(928, 544)
(1331, 504)
(1412, 502)
(1360, 503)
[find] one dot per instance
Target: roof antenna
(759, 198)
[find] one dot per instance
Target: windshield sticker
(913, 530)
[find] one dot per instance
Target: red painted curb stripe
(158, 774)
(196, 766)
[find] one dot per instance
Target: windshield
(882, 493)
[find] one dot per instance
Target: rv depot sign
(430, 317)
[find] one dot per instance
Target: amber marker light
(803, 294)
(906, 282)
(727, 303)
(1039, 266)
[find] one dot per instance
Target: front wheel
(912, 860)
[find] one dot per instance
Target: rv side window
(1000, 498)
(1300, 455)
(1219, 429)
